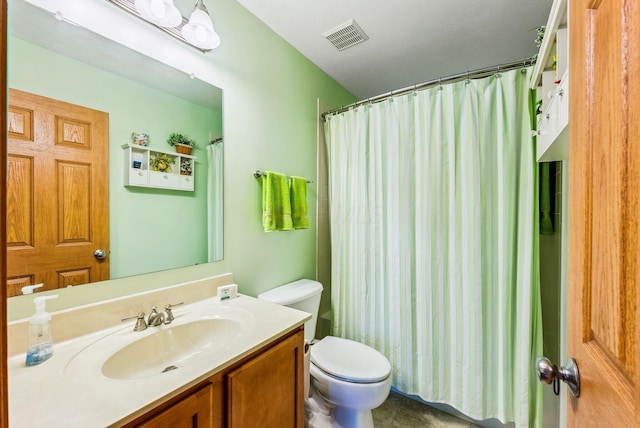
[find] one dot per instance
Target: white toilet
(352, 377)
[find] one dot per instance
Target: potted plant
(182, 143)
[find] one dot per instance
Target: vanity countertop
(56, 393)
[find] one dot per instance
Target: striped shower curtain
(435, 242)
(215, 175)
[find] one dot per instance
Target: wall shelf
(551, 80)
(557, 20)
(149, 167)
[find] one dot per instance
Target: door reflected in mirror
(150, 229)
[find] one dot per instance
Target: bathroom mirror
(150, 229)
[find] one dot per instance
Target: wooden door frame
(4, 380)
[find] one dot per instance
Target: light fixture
(199, 30)
(160, 12)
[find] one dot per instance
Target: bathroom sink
(167, 349)
(192, 337)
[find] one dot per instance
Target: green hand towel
(299, 203)
(276, 202)
(546, 224)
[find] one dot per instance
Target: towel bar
(257, 174)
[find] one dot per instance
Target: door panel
(20, 201)
(57, 198)
(604, 286)
(275, 373)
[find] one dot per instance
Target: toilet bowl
(350, 377)
(353, 377)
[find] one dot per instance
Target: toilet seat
(350, 361)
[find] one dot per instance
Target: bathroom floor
(403, 412)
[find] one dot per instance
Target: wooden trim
(4, 388)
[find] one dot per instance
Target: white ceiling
(410, 41)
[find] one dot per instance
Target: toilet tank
(303, 295)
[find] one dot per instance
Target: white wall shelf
(149, 167)
(557, 20)
(553, 125)
(551, 79)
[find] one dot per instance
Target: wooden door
(57, 193)
(4, 384)
(604, 189)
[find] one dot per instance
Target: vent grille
(346, 35)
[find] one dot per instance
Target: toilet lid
(349, 360)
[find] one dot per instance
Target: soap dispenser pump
(40, 342)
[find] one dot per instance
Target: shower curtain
(215, 204)
(434, 238)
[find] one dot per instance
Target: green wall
(151, 229)
(269, 122)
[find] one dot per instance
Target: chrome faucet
(155, 318)
(165, 317)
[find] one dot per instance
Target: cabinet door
(186, 182)
(563, 103)
(268, 390)
(194, 411)
(164, 180)
(138, 177)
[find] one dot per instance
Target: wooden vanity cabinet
(265, 389)
(193, 411)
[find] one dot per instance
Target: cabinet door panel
(186, 182)
(267, 391)
(166, 180)
(138, 177)
(193, 411)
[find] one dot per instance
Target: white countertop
(58, 393)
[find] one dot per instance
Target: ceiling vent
(346, 35)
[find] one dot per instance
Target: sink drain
(169, 368)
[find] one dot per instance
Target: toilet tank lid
(292, 292)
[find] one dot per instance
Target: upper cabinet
(551, 79)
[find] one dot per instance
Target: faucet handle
(167, 309)
(140, 324)
(169, 306)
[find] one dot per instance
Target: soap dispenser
(40, 343)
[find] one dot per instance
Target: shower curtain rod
(474, 74)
